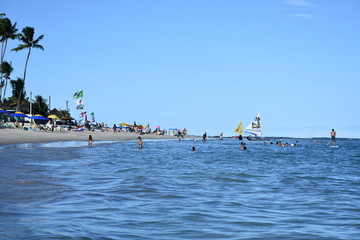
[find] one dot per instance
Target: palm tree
(6, 69)
(40, 105)
(27, 37)
(18, 92)
(7, 31)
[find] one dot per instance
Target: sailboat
(239, 129)
(255, 127)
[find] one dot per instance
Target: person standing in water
(140, 143)
(333, 140)
(90, 141)
(204, 137)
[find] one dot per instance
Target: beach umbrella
(18, 114)
(173, 129)
(3, 111)
(38, 117)
(53, 116)
(67, 118)
(124, 124)
(157, 126)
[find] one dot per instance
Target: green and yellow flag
(79, 94)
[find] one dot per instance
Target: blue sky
(200, 64)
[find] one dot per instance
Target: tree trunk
(6, 82)
(21, 91)
(3, 49)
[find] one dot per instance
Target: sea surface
(165, 191)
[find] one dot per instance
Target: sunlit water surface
(166, 191)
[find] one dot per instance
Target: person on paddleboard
(333, 140)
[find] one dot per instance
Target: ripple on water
(166, 191)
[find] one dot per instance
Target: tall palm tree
(6, 69)
(27, 38)
(40, 105)
(7, 31)
(18, 92)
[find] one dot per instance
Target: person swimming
(243, 147)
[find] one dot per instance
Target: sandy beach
(17, 136)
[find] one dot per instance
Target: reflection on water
(165, 191)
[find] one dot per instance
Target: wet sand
(17, 136)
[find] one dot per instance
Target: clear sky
(204, 65)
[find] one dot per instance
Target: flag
(79, 101)
(81, 122)
(81, 106)
(82, 115)
(92, 116)
(79, 94)
(79, 129)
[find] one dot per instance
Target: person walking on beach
(114, 128)
(333, 140)
(140, 143)
(90, 141)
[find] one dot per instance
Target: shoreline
(19, 136)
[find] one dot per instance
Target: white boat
(255, 127)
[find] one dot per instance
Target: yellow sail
(239, 129)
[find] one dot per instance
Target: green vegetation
(28, 42)
(9, 31)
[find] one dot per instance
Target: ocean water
(166, 191)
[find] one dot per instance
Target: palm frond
(20, 47)
(38, 47)
(38, 39)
